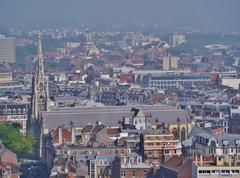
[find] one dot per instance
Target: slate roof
(91, 128)
(231, 138)
(4, 69)
(109, 116)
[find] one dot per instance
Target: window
(133, 173)
(215, 171)
(149, 152)
(123, 173)
(225, 172)
(166, 151)
(204, 172)
(235, 171)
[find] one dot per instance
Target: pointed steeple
(39, 101)
(40, 67)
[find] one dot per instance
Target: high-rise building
(170, 63)
(7, 50)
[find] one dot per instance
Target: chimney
(73, 135)
(60, 135)
(229, 161)
(123, 121)
(201, 160)
(196, 159)
(235, 160)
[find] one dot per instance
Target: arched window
(212, 143)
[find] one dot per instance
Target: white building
(215, 170)
(7, 50)
(178, 39)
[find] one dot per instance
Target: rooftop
(109, 116)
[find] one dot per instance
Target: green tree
(15, 141)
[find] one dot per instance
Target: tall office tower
(7, 50)
(170, 63)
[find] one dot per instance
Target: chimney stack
(73, 135)
(229, 160)
(60, 135)
(196, 159)
(235, 160)
(201, 160)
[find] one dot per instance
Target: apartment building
(159, 146)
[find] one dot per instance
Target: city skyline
(204, 15)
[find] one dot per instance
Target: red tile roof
(66, 135)
(113, 131)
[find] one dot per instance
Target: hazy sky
(211, 14)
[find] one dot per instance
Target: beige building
(231, 82)
(7, 50)
(158, 146)
(170, 63)
(15, 113)
(5, 77)
(215, 168)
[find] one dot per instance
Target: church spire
(40, 68)
(39, 101)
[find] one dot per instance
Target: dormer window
(225, 142)
(237, 142)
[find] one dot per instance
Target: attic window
(225, 142)
(237, 142)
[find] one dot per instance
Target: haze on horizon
(206, 15)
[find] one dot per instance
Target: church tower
(39, 102)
